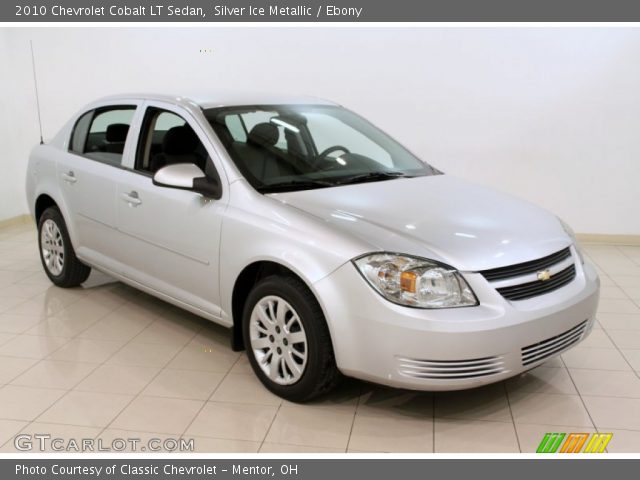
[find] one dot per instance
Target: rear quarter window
(79, 134)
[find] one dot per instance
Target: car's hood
(469, 227)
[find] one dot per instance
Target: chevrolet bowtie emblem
(544, 275)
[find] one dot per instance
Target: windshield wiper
(372, 177)
(294, 185)
(311, 184)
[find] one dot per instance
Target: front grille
(522, 280)
(552, 346)
(531, 289)
(451, 369)
(527, 267)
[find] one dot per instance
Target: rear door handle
(132, 198)
(69, 177)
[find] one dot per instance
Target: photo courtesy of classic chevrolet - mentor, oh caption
(324, 244)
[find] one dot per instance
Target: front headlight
(569, 231)
(415, 282)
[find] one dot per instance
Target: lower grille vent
(451, 369)
(552, 346)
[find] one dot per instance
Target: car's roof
(223, 98)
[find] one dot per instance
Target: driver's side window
(166, 139)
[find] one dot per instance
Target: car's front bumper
(457, 348)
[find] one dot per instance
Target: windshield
(299, 147)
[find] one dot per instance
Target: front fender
(257, 228)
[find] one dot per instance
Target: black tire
(320, 374)
(73, 271)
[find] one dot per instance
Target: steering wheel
(335, 148)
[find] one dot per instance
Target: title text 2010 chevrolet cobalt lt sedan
(325, 245)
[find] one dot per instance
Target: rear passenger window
(101, 134)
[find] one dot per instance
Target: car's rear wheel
(287, 339)
(56, 252)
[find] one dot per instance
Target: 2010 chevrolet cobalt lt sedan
(325, 245)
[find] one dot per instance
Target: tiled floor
(107, 361)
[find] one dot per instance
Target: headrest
(117, 132)
(179, 140)
(264, 134)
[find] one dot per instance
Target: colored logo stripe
(550, 442)
(598, 442)
(574, 442)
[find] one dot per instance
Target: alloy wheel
(52, 246)
(278, 340)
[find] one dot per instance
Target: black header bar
(320, 11)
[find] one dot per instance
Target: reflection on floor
(109, 362)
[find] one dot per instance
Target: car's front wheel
(56, 252)
(287, 339)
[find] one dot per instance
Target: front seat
(178, 146)
(259, 154)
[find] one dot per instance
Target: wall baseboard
(606, 239)
(19, 220)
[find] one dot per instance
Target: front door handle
(69, 177)
(132, 198)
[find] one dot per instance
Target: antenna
(35, 84)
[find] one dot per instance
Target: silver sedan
(326, 246)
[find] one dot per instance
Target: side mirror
(187, 176)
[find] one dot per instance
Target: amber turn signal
(408, 281)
